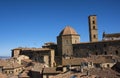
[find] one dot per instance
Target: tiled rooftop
(24, 74)
(3, 75)
(9, 64)
(94, 59)
(51, 70)
(108, 73)
(33, 49)
(68, 31)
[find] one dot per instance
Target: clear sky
(31, 23)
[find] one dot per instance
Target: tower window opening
(93, 22)
(94, 36)
(93, 27)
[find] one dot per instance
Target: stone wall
(97, 48)
(42, 56)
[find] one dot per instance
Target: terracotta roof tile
(9, 64)
(32, 49)
(27, 60)
(94, 59)
(75, 61)
(68, 31)
(51, 70)
(24, 74)
(3, 75)
(108, 73)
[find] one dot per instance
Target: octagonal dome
(68, 31)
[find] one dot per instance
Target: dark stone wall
(35, 55)
(96, 48)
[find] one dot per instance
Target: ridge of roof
(68, 30)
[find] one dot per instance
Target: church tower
(93, 31)
(66, 38)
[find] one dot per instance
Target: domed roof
(68, 31)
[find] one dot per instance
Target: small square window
(94, 36)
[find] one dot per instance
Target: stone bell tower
(93, 30)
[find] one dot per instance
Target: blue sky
(31, 23)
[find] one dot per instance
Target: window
(108, 65)
(93, 22)
(94, 36)
(11, 72)
(96, 53)
(116, 52)
(93, 27)
(6, 72)
(105, 53)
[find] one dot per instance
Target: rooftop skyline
(31, 23)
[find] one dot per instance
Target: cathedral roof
(68, 31)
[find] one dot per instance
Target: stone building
(10, 67)
(97, 48)
(43, 55)
(69, 46)
(113, 36)
(20, 58)
(2, 75)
